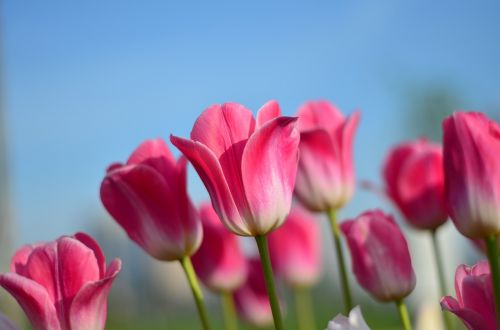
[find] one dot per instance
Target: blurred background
(83, 83)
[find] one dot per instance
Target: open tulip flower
(62, 285)
(474, 304)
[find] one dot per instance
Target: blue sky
(87, 82)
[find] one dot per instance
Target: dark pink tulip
(219, 262)
(295, 249)
(380, 257)
(414, 179)
(6, 324)
(248, 166)
(252, 302)
(472, 173)
(148, 197)
(474, 304)
(325, 178)
(62, 285)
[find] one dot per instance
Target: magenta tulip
(380, 256)
(148, 197)
(219, 262)
(248, 166)
(325, 177)
(414, 179)
(472, 173)
(295, 249)
(474, 304)
(6, 324)
(62, 285)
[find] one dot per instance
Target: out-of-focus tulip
(414, 180)
(471, 144)
(481, 244)
(380, 257)
(295, 249)
(325, 177)
(6, 324)
(148, 197)
(248, 166)
(219, 262)
(474, 304)
(355, 321)
(252, 302)
(62, 285)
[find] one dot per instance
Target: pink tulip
(295, 249)
(6, 324)
(414, 179)
(62, 285)
(248, 166)
(380, 256)
(148, 197)
(472, 173)
(474, 304)
(252, 302)
(219, 262)
(325, 178)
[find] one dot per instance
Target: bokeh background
(83, 83)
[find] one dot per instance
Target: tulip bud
(380, 257)
(472, 173)
(355, 321)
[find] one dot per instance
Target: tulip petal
(345, 140)
(20, 259)
(89, 308)
(269, 166)
(267, 112)
(470, 318)
(94, 246)
(33, 299)
(319, 114)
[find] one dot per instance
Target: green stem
(195, 288)
(403, 313)
(230, 320)
(304, 308)
(492, 248)
(268, 276)
(346, 291)
(442, 281)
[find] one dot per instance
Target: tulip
(248, 167)
(474, 304)
(355, 321)
(148, 198)
(414, 179)
(6, 324)
(380, 258)
(62, 285)
(295, 250)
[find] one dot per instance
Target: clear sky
(86, 82)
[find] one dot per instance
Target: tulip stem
(492, 249)
(403, 313)
(268, 276)
(195, 288)
(304, 308)
(230, 320)
(346, 291)
(442, 281)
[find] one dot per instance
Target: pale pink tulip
(219, 262)
(414, 179)
(380, 257)
(474, 304)
(248, 166)
(325, 177)
(62, 285)
(148, 198)
(471, 144)
(295, 249)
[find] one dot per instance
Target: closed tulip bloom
(6, 324)
(325, 178)
(414, 179)
(472, 173)
(355, 321)
(248, 166)
(295, 249)
(62, 285)
(148, 198)
(219, 262)
(474, 304)
(380, 256)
